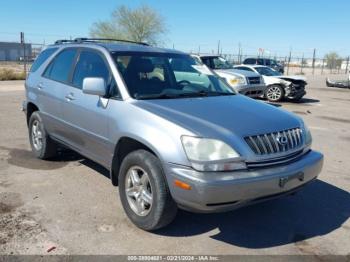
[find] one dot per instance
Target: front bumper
(223, 191)
(295, 91)
(251, 90)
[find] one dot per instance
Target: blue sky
(275, 25)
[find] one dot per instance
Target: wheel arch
(124, 146)
(31, 108)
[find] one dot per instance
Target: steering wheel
(184, 83)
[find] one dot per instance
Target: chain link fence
(19, 57)
(300, 65)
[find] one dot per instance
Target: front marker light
(211, 155)
(307, 135)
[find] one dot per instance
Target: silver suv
(170, 131)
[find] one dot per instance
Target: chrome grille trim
(277, 161)
(270, 143)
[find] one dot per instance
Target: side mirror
(94, 86)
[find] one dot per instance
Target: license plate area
(284, 180)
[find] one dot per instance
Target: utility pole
(239, 53)
(302, 64)
(322, 67)
(313, 61)
(24, 53)
(218, 47)
(289, 58)
(199, 49)
(347, 65)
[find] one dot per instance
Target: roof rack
(63, 41)
(87, 40)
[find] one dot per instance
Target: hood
(242, 73)
(296, 77)
(221, 115)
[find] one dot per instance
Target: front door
(87, 115)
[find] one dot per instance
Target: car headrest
(142, 65)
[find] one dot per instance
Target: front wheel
(144, 192)
(42, 145)
(274, 93)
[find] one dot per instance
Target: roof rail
(63, 41)
(81, 40)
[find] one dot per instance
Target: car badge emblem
(282, 140)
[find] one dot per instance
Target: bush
(10, 74)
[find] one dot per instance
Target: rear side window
(260, 62)
(250, 61)
(44, 55)
(60, 67)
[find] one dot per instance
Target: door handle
(70, 97)
(40, 86)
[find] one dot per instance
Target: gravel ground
(68, 205)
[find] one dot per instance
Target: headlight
(211, 155)
(236, 81)
(284, 82)
(307, 135)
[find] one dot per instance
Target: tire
(274, 93)
(147, 214)
(42, 145)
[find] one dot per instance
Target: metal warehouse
(11, 51)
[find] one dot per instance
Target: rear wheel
(42, 145)
(274, 93)
(144, 192)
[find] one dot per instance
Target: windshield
(217, 62)
(165, 76)
(267, 71)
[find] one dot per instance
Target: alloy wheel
(138, 191)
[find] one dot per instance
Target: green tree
(333, 60)
(142, 24)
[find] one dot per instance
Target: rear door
(51, 88)
(87, 115)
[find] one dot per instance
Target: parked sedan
(246, 83)
(278, 85)
(338, 83)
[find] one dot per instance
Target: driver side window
(91, 64)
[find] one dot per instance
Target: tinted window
(44, 55)
(59, 69)
(268, 62)
(249, 61)
(260, 62)
(90, 64)
(208, 62)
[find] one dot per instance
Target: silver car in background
(246, 83)
(170, 131)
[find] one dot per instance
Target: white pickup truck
(246, 83)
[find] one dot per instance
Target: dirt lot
(70, 204)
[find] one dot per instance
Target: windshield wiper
(201, 93)
(156, 96)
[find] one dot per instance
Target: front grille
(277, 142)
(254, 80)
